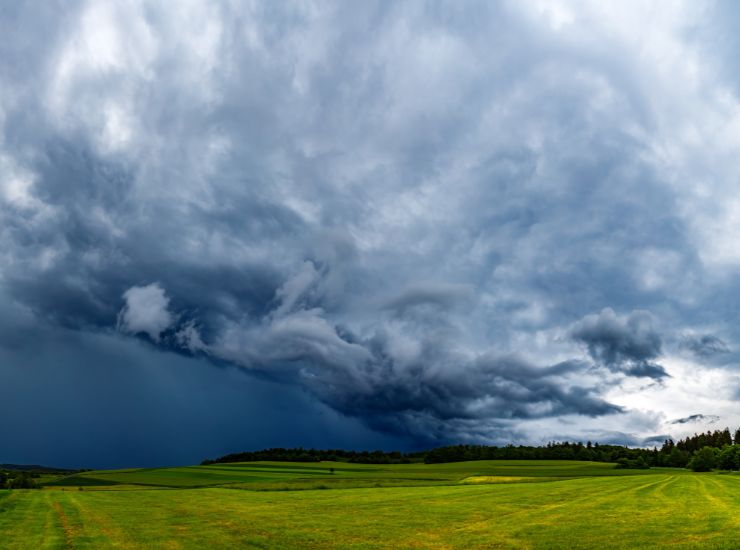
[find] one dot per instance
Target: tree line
(700, 452)
(317, 455)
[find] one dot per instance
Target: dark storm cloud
(705, 345)
(708, 418)
(406, 377)
(397, 207)
(623, 344)
(80, 399)
(435, 392)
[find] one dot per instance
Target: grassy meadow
(485, 504)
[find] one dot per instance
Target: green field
(492, 504)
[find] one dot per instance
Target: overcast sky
(231, 225)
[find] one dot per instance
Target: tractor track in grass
(70, 533)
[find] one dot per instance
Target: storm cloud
(441, 222)
(626, 344)
(705, 345)
(710, 419)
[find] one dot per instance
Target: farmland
(491, 504)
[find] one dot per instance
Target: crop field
(487, 504)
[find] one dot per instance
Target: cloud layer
(483, 221)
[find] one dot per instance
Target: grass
(496, 504)
(282, 475)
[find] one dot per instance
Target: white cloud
(146, 311)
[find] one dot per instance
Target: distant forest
(700, 452)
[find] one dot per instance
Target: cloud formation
(694, 418)
(626, 344)
(404, 377)
(145, 310)
(704, 345)
(477, 221)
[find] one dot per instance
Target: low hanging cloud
(704, 345)
(397, 378)
(694, 418)
(626, 344)
(146, 311)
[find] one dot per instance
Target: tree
(678, 458)
(21, 481)
(704, 459)
(729, 458)
(636, 464)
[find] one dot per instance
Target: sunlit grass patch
(503, 479)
